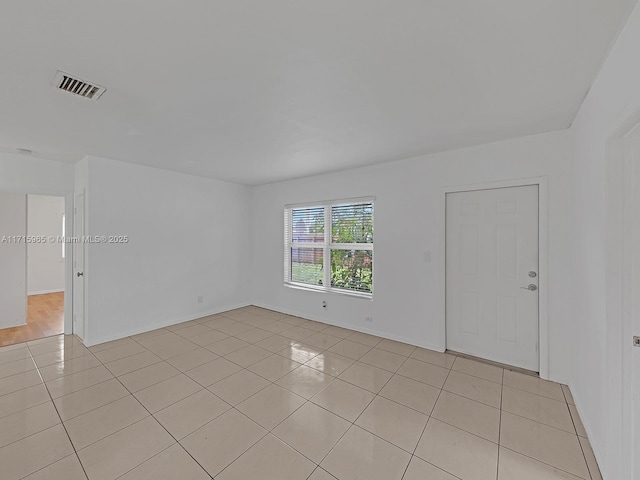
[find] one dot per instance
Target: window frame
(326, 245)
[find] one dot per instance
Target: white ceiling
(255, 91)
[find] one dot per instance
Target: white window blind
(329, 246)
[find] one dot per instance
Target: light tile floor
(255, 394)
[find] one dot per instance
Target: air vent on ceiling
(68, 83)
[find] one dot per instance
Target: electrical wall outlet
(324, 304)
(368, 319)
(200, 298)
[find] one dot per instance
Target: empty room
(320, 240)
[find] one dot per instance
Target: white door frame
(69, 200)
(541, 182)
(619, 304)
(69, 206)
(74, 246)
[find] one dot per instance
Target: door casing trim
(543, 298)
(68, 266)
(620, 192)
(73, 253)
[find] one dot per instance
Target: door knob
(530, 287)
(80, 274)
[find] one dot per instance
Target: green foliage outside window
(352, 269)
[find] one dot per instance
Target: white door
(632, 354)
(492, 275)
(78, 267)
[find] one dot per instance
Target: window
(329, 246)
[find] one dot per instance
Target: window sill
(333, 291)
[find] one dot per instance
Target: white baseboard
(135, 331)
(370, 331)
(90, 342)
(44, 292)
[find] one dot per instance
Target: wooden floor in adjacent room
(45, 317)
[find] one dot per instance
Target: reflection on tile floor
(256, 394)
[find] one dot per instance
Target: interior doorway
(33, 228)
(492, 274)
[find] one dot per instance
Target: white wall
(25, 174)
(45, 265)
(408, 292)
(188, 237)
(13, 260)
(596, 378)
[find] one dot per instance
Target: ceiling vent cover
(69, 83)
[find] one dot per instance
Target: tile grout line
(356, 419)
(132, 371)
(501, 446)
(476, 376)
(302, 405)
(491, 363)
(528, 456)
(543, 462)
(75, 452)
(344, 338)
(306, 400)
(582, 449)
(533, 393)
(160, 453)
(425, 427)
(468, 398)
(271, 382)
(28, 371)
(500, 425)
(317, 464)
(539, 423)
(131, 394)
(159, 423)
(232, 407)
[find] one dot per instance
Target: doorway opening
(32, 229)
